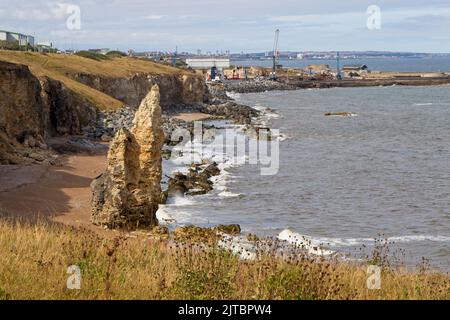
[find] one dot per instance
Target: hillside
(65, 68)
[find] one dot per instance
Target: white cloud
(321, 24)
(154, 17)
(56, 11)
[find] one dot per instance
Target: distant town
(224, 65)
(12, 39)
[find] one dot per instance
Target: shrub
(92, 55)
(116, 54)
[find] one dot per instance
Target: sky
(235, 25)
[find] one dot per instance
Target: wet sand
(192, 116)
(60, 192)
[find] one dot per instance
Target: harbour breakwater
(254, 86)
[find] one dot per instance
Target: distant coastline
(394, 64)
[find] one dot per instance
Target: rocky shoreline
(111, 126)
(218, 106)
(64, 133)
(257, 85)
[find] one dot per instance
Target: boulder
(196, 182)
(128, 193)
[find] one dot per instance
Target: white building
(208, 63)
(21, 39)
(44, 46)
(30, 40)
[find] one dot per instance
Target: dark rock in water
(166, 154)
(177, 185)
(198, 234)
(232, 110)
(339, 114)
(196, 192)
(232, 229)
(196, 182)
(212, 170)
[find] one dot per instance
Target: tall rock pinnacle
(127, 194)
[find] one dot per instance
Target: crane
(275, 55)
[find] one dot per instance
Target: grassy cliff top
(65, 67)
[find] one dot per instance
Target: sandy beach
(61, 192)
(192, 116)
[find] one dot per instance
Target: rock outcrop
(196, 182)
(175, 89)
(33, 109)
(65, 111)
(127, 194)
(21, 117)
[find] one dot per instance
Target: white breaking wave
(266, 113)
(351, 242)
(423, 104)
(233, 95)
(196, 152)
(238, 246)
(304, 242)
(228, 194)
(420, 238)
(163, 215)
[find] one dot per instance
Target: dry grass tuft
(34, 260)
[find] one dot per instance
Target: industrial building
(19, 38)
(208, 63)
(212, 67)
(45, 46)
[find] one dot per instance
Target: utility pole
(174, 59)
(338, 68)
(275, 55)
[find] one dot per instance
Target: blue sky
(236, 25)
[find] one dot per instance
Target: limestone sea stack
(128, 193)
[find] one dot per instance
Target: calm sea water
(345, 180)
(435, 64)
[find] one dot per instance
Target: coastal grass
(65, 68)
(34, 258)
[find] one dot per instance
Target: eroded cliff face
(32, 110)
(67, 112)
(127, 194)
(175, 89)
(20, 117)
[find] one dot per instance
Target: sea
(380, 175)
